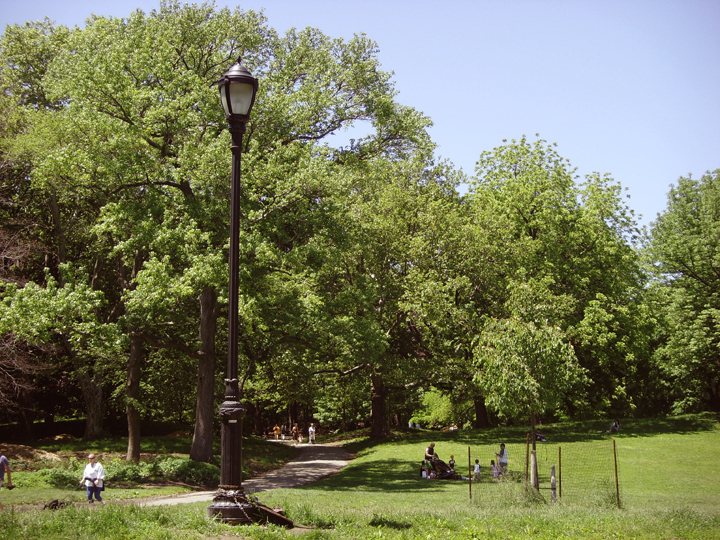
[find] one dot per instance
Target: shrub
(189, 471)
(59, 477)
(126, 471)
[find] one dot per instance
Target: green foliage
(437, 410)
(527, 366)
(366, 279)
(573, 241)
(182, 469)
(684, 243)
(129, 471)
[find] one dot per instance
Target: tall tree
(579, 237)
(138, 149)
(684, 246)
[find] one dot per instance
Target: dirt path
(315, 461)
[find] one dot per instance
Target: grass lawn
(669, 487)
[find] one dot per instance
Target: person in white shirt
(93, 478)
(476, 472)
(311, 434)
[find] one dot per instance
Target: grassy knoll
(668, 472)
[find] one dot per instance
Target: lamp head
(237, 92)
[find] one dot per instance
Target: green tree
(137, 149)
(526, 364)
(66, 316)
(684, 247)
(578, 237)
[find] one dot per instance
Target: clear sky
(625, 87)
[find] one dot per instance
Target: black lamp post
(237, 92)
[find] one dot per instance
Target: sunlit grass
(380, 494)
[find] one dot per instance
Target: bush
(59, 477)
(189, 471)
(128, 471)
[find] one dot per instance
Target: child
(423, 470)
(476, 475)
(495, 470)
(451, 463)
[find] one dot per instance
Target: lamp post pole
(237, 91)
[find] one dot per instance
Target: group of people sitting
(433, 467)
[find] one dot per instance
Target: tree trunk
(714, 400)
(59, 231)
(132, 396)
(378, 394)
(534, 480)
(91, 386)
(481, 415)
(201, 448)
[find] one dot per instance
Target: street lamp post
(230, 504)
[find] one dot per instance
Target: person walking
(295, 433)
(495, 470)
(5, 468)
(276, 431)
(93, 479)
(476, 471)
(502, 458)
(311, 434)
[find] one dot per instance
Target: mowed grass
(669, 486)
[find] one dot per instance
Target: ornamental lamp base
(232, 506)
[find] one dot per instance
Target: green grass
(669, 480)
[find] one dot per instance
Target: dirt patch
(26, 453)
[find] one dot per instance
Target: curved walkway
(316, 461)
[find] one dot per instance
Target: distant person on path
(295, 433)
(5, 468)
(276, 431)
(93, 478)
(311, 434)
(476, 472)
(495, 470)
(502, 458)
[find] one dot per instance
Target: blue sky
(630, 88)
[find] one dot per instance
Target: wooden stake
(617, 483)
(560, 471)
(469, 473)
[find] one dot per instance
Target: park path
(316, 461)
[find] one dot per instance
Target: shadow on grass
(597, 429)
(383, 521)
(391, 475)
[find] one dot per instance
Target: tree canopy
(369, 277)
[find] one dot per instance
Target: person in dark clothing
(430, 452)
